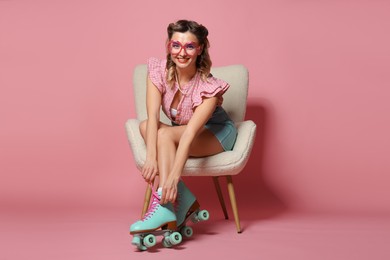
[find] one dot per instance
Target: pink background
(319, 92)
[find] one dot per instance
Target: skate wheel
(203, 215)
(149, 240)
(136, 241)
(166, 243)
(186, 231)
(142, 248)
(175, 238)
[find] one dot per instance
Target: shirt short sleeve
(213, 87)
(156, 72)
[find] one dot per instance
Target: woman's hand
(169, 191)
(150, 170)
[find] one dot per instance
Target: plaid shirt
(195, 90)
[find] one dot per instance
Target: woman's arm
(201, 115)
(153, 104)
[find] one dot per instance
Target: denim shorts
(222, 127)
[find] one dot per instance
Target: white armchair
(225, 164)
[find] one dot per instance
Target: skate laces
(153, 206)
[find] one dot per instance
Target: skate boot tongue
(153, 205)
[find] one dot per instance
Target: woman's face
(184, 49)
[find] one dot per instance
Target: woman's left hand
(169, 191)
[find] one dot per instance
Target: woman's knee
(165, 134)
(142, 128)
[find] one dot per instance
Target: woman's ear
(200, 50)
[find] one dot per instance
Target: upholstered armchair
(226, 164)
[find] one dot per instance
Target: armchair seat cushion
(225, 163)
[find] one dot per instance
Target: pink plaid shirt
(195, 90)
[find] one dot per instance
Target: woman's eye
(175, 45)
(190, 47)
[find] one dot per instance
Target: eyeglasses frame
(169, 49)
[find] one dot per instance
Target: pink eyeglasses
(190, 48)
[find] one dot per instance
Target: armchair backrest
(235, 98)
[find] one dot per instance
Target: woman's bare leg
(167, 141)
(168, 138)
(204, 144)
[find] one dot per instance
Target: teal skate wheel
(166, 243)
(149, 240)
(175, 238)
(203, 215)
(136, 241)
(186, 231)
(142, 248)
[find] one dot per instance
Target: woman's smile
(182, 60)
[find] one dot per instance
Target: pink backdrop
(319, 91)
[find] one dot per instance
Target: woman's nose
(182, 51)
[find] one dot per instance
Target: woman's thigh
(204, 144)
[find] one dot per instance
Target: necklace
(178, 84)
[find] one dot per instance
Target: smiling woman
(191, 38)
(191, 98)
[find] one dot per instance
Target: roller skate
(187, 208)
(158, 220)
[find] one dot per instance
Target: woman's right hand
(150, 170)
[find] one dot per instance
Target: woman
(191, 98)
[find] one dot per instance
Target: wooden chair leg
(233, 202)
(220, 197)
(148, 194)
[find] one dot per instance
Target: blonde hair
(203, 61)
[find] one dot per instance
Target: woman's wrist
(175, 176)
(151, 157)
(151, 153)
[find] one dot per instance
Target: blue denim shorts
(222, 127)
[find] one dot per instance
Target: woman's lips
(182, 60)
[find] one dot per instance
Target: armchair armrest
(136, 142)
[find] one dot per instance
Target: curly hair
(203, 61)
